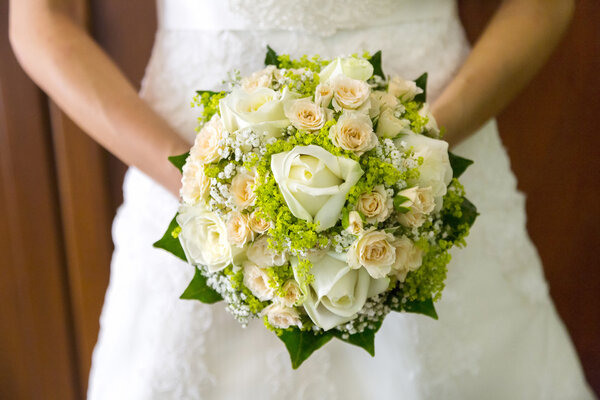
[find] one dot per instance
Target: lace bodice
(154, 346)
(318, 17)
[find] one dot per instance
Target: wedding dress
(498, 336)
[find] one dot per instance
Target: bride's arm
(68, 65)
(513, 47)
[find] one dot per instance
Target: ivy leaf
(458, 164)
(169, 241)
(365, 339)
(469, 212)
(421, 307)
(199, 290)
(422, 83)
(271, 58)
(179, 161)
(301, 344)
(375, 61)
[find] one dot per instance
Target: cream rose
(337, 291)
(238, 229)
(282, 317)
(374, 251)
(435, 171)
(257, 280)
(355, 223)
(420, 203)
(314, 182)
(381, 101)
(204, 239)
(431, 127)
(323, 94)
(389, 126)
(350, 94)
(194, 183)
(354, 132)
(351, 67)
(292, 294)
(403, 89)
(305, 115)
(408, 257)
(261, 110)
(242, 189)
(258, 224)
(376, 206)
(263, 256)
(259, 79)
(209, 142)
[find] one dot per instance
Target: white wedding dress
(498, 336)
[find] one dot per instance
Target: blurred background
(59, 192)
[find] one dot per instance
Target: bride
(498, 336)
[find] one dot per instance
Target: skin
(78, 75)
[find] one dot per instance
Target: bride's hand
(68, 65)
(513, 47)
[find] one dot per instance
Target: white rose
(350, 94)
(403, 89)
(421, 203)
(195, 185)
(263, 256)
(314, 183)
(282, 317)
(257, 280)
(351, 67)
(435, 171)
(355, 223)
(208, 142)
(354, 132)
(258, 79)
(204, 239)
(373, 250)
(431, 127)
(337, 292)
(238, 229)
(261, 110)
(408, 257)
(292, 293)
(242, 189)
(376, 206)
(323, 94)
(305, 115)
(258, 224)
(389, 126)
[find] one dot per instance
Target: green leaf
(365, 339)
(421, 307)
(345, 218)
(375, 61)
(398, 201)
(422, 83)
(459, 164)
(271, 58)
(210, 92)
(179, 161)
(469, 212)
(170, 242)
(199, 290)
(301, 344)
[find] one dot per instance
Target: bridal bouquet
(319, 197)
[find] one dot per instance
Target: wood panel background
(59, 192)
